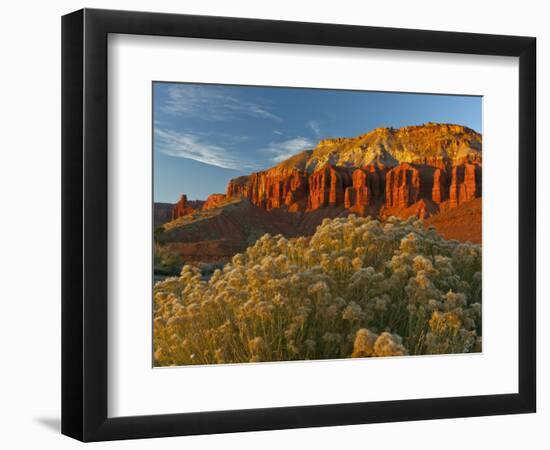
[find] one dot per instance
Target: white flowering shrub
(357, 288)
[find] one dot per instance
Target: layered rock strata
(408, 171)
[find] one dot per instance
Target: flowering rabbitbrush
(357, 288)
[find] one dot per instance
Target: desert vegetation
(165, 261)
(359, 287)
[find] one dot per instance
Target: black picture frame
(84, 224)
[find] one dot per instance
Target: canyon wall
(374, 189)
(214, 200)
(416, 170)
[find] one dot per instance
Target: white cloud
(192, 146)
(285, 149)
(212, 103)
(314, 125)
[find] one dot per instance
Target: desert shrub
(357, 288)
(166, 262)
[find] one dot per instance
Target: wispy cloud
(314, 125)
(282, 150)
(192, 146)
(212, 103)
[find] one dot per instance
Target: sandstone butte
(417, 170)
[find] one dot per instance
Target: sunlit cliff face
(381, 172)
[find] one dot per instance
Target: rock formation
(238, 187)
(465, 184)
(402, 186)
(367, 190)
(183, 207)
(214, 200)
(440, 189)
(419, 170)
(386, 171)
(327, 187)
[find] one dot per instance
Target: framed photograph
(273, 224)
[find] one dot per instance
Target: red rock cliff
(465, 184)
(402, 186)
(411, 170)
(184, 207)
(238, 187)
(273, 188)
(440, 186)
(214, 200)
(367, 190)
(327, 187)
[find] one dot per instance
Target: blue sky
(204, 135)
